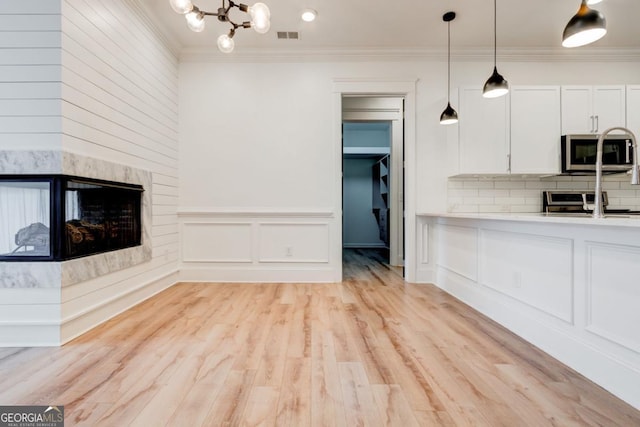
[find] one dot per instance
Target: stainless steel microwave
(579, 153)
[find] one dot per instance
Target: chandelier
(258, 13)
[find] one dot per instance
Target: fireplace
(61, 217)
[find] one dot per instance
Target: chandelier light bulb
(260, 17)
(590, 2)
(181, 6)
(309, 15)
(195, 20)
(225, 43)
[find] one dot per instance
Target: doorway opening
(373, 177)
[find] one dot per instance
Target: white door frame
(389, 109)
(381, 87)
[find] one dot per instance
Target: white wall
(258, 135)
(120, 104)
(29, 75)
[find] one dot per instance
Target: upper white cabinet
(535, 129)
(592, 109)
(483, 144)
(633, 109)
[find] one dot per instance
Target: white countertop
(582, 219)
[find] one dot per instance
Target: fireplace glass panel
(100, 217)
(25, 219)
(59, 217)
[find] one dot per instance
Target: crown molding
(144, 13)
(526, 54)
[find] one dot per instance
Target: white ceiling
(405, 24)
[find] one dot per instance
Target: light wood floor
(370, 351)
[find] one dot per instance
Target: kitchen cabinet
(483, 133)
(517, 133)
(535, 130)
(592, 109)
(633, 109)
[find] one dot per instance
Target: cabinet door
(535, 129)
(483, 133)
(633, 109)
(577, 113)
(608, 107)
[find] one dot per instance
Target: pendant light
(449, 115)
(495, 85)
(586, 26)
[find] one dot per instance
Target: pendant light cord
(448, 62)
(495, 33)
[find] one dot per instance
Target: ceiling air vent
(291, 35)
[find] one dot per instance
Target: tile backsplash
(524, 194)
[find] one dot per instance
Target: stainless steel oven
(579, 153)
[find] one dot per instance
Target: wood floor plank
(230, 404)
(360, 407)
(371, 350)
(392, 406)
(327, 405)
(294, 405)
(262, 407)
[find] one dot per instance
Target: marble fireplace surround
(60, 274)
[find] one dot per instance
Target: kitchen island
(568, 284)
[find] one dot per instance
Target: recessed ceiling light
(309, 15)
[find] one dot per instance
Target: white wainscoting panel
(530, 269)
(424, 246)
(216, 242)
(290, 242)
(257, 245)
(458, 250)
(613, 289)
(426, 256)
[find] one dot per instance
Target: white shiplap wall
(120, 104)
(96, 79)
(30, 109)
(30, 59)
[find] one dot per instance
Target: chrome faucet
(598, 209)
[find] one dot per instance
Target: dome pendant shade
(495, 85)
(449, 116)
(586, 26)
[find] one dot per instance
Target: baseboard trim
(425, 275)
(79, 323)
(259, 275)
(26, 334)
(363, 246)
